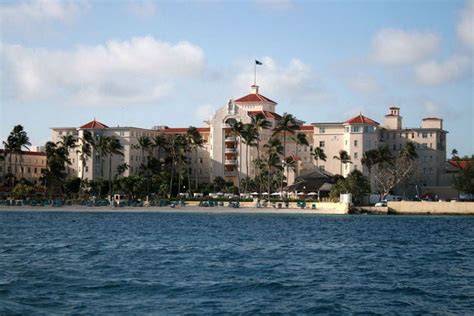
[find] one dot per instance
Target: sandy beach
(187, 209)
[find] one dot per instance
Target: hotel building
(28, 165)
(223, 154)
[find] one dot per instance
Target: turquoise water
(175, 263)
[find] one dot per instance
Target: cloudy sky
(146, 63)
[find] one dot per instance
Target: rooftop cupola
(393, 120)
(254, 89)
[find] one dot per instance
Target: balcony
(230, 173)
(230, 150)
(230, 162)
(230, 139)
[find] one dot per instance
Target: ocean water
(175, 263)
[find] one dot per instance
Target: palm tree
(260, 123)
(344, 158)
(409, 151)
(160, 142)
(6, 152)
(114, 147)
(17, 140)
(69, 142)
(299, 139)
(85, 150)
(144, 144)
(249, 136)
(286, 124)
(274, 150)
(236, 128)
(196, 141)
(319, 154)
(121, 169)
(454, 154)
(175, 148)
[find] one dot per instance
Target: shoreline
(157, 209)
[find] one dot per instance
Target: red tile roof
(94, 124)
(267, 114)
(183, 129)
(461, 164)
(360, 119)
(306, 128)
(252, 97)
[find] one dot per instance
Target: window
(356, 155)
(200, 160)
(424, 135)
(347, 129)
(356, 143)
(366, 129)
(321, 168)
(425, 146)
(60, 133)
(431, 145)
(412, 135)
(394, 135)
(356, 129)
(322, 130)
(394, 147)
(29, 170)
(322, 143)
(400, 146)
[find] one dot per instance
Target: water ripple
(86, 263)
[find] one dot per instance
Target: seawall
(441, 208)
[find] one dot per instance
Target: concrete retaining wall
(454, 208)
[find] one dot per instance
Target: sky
(148, 63)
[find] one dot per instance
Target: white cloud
(40, 11)
(204, 112)
(296, 80)
(465, 27)
(397, 47)
(142, 69)
(435, 73)
(142, 8)
(364, 84)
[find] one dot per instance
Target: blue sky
(146, 63)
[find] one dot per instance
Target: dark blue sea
(175, 263)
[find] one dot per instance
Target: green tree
(85, 150)
(300, 139)
(72, 186)
(249, 136)
(17, 141)
(344, 159)
(196, 141)
(390, 170)
(464, 181)
(454, 154)
(114, 148)
(274, 149)
(21, 191)
(319, 154)
(355, 183)
(285, 125)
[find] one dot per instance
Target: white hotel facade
(219, 156)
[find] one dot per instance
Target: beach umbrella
(312, 193)
(254, 193)
(265, 193)
(300, 193)
(276, 193)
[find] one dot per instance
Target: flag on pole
(258, 62)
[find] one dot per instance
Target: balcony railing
(230, 151)
(230, 162)
(230, 139)
(230, 173)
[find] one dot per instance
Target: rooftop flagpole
(255, 71)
